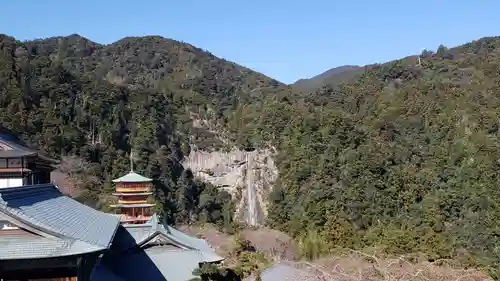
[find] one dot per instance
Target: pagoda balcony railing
(138, 188)
(128, 218)
(142, 201)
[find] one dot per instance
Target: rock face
(247, 175)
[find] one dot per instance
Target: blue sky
(286, 40)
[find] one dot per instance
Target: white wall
(11, 182)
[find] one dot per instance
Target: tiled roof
(36, 247)
(138, 234)
(176, 264)
(132, 177)
(45, 208)
(15, 143)
(155, 263)
(14, 153)
(19, 148)
(166, 262)
(193, 242)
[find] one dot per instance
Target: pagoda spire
(131, 156)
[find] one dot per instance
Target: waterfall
(251, 194)
(251, 173)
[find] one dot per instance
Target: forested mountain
(332, 77)
(405, 159)
(90, 104)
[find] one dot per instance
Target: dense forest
(406, 159)
(331, 77)
(91, 105)
(403, 159)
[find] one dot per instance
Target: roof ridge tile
(45, 208)
(26, 191)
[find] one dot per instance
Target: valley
(400, 159)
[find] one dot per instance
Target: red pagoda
(133, 192)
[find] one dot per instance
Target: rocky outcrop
(247, 175)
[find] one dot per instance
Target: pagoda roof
(132, 205)
(132, 177)
(130, 193)
(63, 225)
(14, 147)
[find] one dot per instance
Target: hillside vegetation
(331, 77)
(403, 160)
(90, 104)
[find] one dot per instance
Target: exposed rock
(247, 175)
(274, 244)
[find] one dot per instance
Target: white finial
(131, 160)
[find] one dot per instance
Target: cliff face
(247, 175)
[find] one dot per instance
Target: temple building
(58, 238)
(133, 193)
(55, 236)
(20, 165)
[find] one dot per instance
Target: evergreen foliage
(405, 159)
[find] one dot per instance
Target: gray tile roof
(19, 149)
(15, 144)
(126, 262)
(155, 263)
(36, 247)
(45, 208)
(176, 265)
(14, 154)
(143, 232)
(193, 242)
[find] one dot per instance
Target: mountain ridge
(72, 38)
(333, 76)
(91, 104)
(401, 160)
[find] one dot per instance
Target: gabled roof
(17, 148)
(141, 234)
(37, 247)
(193, 242)
(15, 144)
(132, 177)
(45, 209)
(155, 263)
(152, 251)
